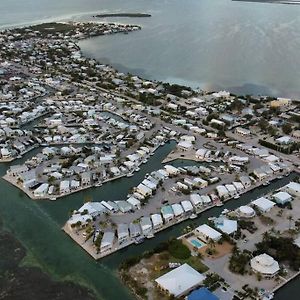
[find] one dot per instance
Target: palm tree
(290, 218)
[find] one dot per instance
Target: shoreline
(123, 15)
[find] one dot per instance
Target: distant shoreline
(291, 2)
(123, 15)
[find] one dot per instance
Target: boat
(144, 161)
(138, 240)
(150, 236)
(137, 169)
(98, 184)
(287, 174)
(279, 177)
(236, 197)
(52, 198)
(129, 175)
(219, 203)
(193, 216)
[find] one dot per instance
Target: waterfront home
(124, 206)
(225, 225)
(259, 173)
(16, 170)
(135, 230)
(223, 193)
(94, 209)
(178, 210)
(41, 191)
(122, 233)
(143, 190)
(246, 181)
(263, 204)
(29, 179)
(187, 207)
(246, 211)
(201, 153)
(293, 188)
(206, 200)
(171, 170)
(146, 225)
(238, 160)
(207, 233)
(136, 204)
(107, 241)
(86, 178)
(79, 219)
(282, 198)
(238, 186)
(180, 281)
(157, 221)
(64, 186)
(151, 185)
(185, 145)
(167, 213)
(231, 189)
(265, 265)
(196, 201)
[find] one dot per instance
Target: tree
(287, 128)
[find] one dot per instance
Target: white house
(157, 221)
(146, 225)
(265, 265)
(207, 233)
(64, 186)
(263, 204)
(41, 191)
(180, 281)
(178, 210)
(167, 213)
(293, 188)
(282, 198)
(107, 241)
(122, 233)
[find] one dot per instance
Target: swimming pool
(196, 243)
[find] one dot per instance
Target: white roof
(228, 226)
(177, 208)
(222, 191)
(133, 201)
(180, 280)
(263, 203)
(107, 239)
(187, 205)
(264, 264)
(92, 207)
(196, 199)
(294, 186)
(282, 196)
(209, 232)
(246, 210)
(156, 219)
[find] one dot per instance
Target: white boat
(150, 236)
(193, 216)
(129, 175)
(53, 198)
(236, 197)
(98, 184)
(137, 169)
(144, 161)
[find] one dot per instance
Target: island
(123, 15)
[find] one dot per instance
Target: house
(171, 170)
(167, 213)
(293, 188)
(282, 198)
(206, 200)
(178, 210)
(185, 145)
(180, 281)
(41, 191)
(207, 233)
(246, 211)
(246, 181)
(222, 191)
(144, 190)
(94, 209)
(136, 204)
(135, 230)
(122, 233)
(225, 225)
(242, 131)
(157, 221)
(124, 206)
(265, 265)
(86, 178)
(107, 241)
(231, 189)
(187, 207)
(17, 170)
(196, 201)
(263, 204)
(146, 225)
(64, 186)
(199, 182)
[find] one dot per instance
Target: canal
(37, 224)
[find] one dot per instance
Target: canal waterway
(38, 225)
